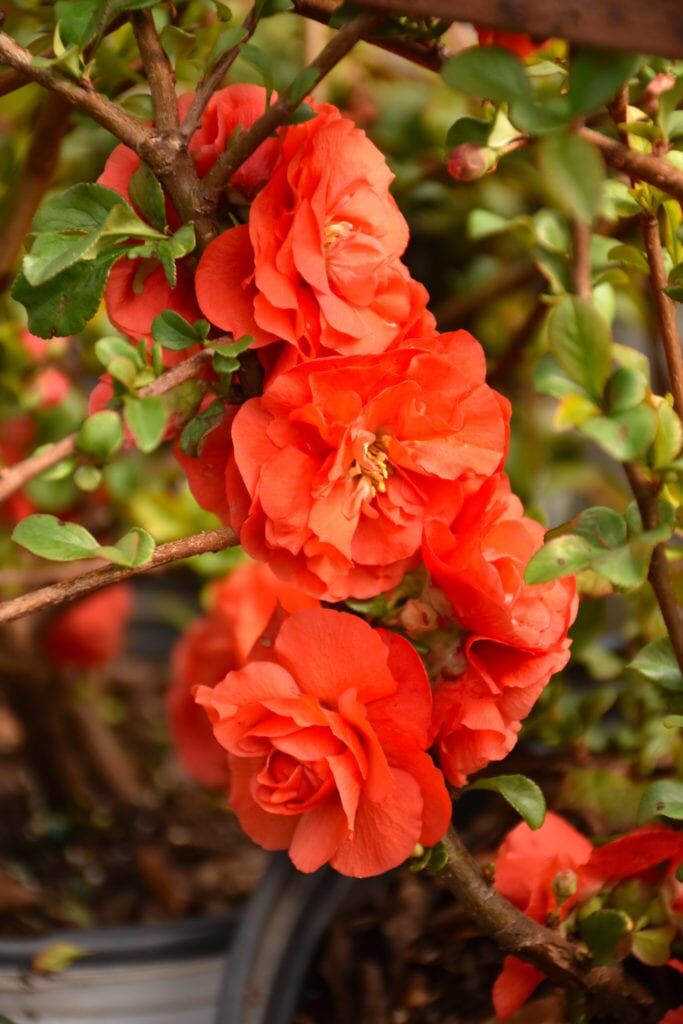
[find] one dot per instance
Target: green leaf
(175, 333)
(657, 662)
(303, 83)
(668, 437)
(260, 62)
(625, 389)
(468, 129)
(573, 172)
(226, 41)
(581, 341)
(602, 527)
(114, 347)
(49, 537)
(520, 792)
(135, 548)
(148, 196)
(51, 253)
(65, 304)
(176, 42)
(101, 435)
(199, 426)
(664, 799)
(124, 369)
(603, 932)
(83, 207)
(146, 419)
(487, 71)
(626, 435)
(550, 379)
(87, 478)
(562, 556)
(595, 76)
(653, 945)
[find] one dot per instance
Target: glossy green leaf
(146, 419)
(520, 792)
(148, 196)
(175, 333)
(135, 548)
(657, 662)
(52, 538)
(65, 304)
(596, 76)
(581, 342)
(573, 172)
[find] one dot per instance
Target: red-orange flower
(341, 460)
(529, 865)
(240, 609)
(514, 636)
(136, 294)
(519, 43)
(327, 733)
(90, 632)
(319, 265)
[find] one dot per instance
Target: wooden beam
(651, 27)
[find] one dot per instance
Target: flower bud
(470, 161)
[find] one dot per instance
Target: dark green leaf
(604, 932)
(468, 129)
(65, 304)
(175, 333)
(596, 76)
(148, 196)
(226, 41)
(522, 793)
(199, 426)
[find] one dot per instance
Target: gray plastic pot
(144, 974)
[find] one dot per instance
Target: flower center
(336, 230)
(373, 465)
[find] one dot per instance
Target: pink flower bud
(470, 161)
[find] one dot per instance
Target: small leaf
(626, 435)
(468, 129)
(657, 662)
(550, 379)
(663, 798)
(199, 426)
(148, 196)
(573, 171)
(114, 347)
(87, 478)
(522, 793)
(596, 76)
(175, 333)
(65, 304)
(135, 548)
(101, 435)
(146, 419)
(668, 437)
(487, 71)
(604, 932)
(226, 41)
(49, 537)
(625, 389)
(581, 342)
(57, 957)
(562, 556)
(653, 945)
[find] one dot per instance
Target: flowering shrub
(304, 314)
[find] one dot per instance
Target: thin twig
(68, 590)
(655, 170)
(214, 77)
(34, 178)
(555, 956)
(581, 259)
(12, 478)
(665, 307)
(160, 74)
(276, 115)
(646, 494)
(79, 94)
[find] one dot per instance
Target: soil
(178, 853)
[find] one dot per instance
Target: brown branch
(12, 478)
(515, 933)
(665, 307)
(642, 28)
(646, 494)
(214, 77)
(160, 74)
(34, 178)
(429, 55)
(276, 115)
(655, 170)
(79, 94)
(10, 81)
(68, 590)
(581, 260)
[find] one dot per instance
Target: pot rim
(178, 939)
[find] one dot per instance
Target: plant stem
(160, 74)
(555, 956)
(665, 307)
(655, 170)
(12, 478)
(68, 590)
(646, 495)
(276, 115)
(581, 260)
(34, 178)
(214, 77)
